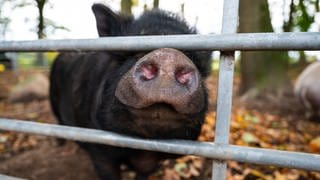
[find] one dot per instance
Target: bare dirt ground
(265, 123)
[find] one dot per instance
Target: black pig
(158, 94)
(307, 90)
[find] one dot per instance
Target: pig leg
(144, 162)
(106, 168)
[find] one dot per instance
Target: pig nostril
(147, 71)
(184, 76)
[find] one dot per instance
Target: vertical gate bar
(223, 111)
(225, 83)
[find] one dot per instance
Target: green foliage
(301, 15)
(28, 60)
(303, 18)
(135, 3)
(126, 6)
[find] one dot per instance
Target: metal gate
(227, 42)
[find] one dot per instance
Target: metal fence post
(225, 82)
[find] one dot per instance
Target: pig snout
(165, 76)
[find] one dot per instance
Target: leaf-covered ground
(264, 123)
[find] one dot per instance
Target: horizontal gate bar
(223, 42)
(205, 149)
(4, 177)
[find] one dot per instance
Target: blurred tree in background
(155, 4)
(300, 18)
(4, 21)
(40, 30)
(265, 73)
(126, 6)
(262, 72)
(43, 24)
(301, 15)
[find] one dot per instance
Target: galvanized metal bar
(230, 16)
(223, 42)
(4, 177)
(225, 83)
(224, 102)
(205, 149)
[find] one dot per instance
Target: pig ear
(108, 22)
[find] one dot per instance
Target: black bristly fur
(83, 86)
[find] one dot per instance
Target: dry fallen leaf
(170, 174)
(315, 145)
(249, 138)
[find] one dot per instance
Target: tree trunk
(182, 10)
(261, 72)
(288, 25)
(40, 5)
(302, 59)
(40, 61)
(126, 7)
(155, 4)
